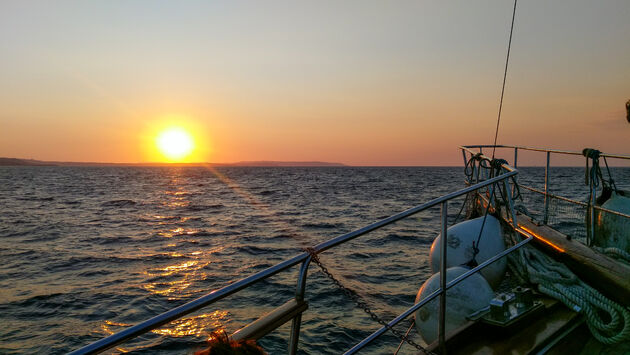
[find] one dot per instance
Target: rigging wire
(507, 60)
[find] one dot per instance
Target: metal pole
(546, 210)
(301, 285)
(464, 155)
(480, 171)
(477, 167)
(295, 334)
(515, 167)
(299, 296)
(510, 202)
(592, 221)
(443, 244)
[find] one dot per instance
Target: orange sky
(360, 83)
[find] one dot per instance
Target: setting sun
(175, 143)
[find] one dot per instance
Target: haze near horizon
(358, 83)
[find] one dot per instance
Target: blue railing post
(546, 208)
(591, 235)
(300, 289)
(515, 167)
(443, 244)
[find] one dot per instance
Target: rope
(495, 166)
(619, 254)
(608, 321)
(507, 60)
(611, 181)
(413, 322)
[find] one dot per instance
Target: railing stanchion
(591, 234)
(510, 203)
(464, 155)
(477, 169)
(295, 334)
(546, 210)
(301, 284)
(515, 167)
(443, 244)
(300, 289)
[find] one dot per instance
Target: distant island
(33, 162)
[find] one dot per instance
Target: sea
(88, 251)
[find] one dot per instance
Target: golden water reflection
(176, 193)
(177, 203)
(164, 220)
(199, 326)
(188, 272)
(177, 198)
(174, 281)
(178, 231)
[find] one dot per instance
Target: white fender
(467, 297)
(460, 251)
(612, 230)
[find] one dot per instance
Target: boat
(520, 316)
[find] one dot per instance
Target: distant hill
(32, 162)
(23, 162)
(284, 163)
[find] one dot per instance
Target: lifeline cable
(507, 60)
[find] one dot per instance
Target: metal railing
(591, 206)
(305, 258)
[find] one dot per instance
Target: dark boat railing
(591, 205)
(305, 258)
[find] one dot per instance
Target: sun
(175, 143)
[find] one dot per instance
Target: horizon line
(5, 161)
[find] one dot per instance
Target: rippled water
(88, 251)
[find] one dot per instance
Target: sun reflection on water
(174, 281)
(178, 231)
(198, 326)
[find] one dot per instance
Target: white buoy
(459, 249)
(612, 231)
(467, 297)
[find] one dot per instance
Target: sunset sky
(355, 82)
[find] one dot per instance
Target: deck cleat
(508, 308)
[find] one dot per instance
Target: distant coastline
(33, 162)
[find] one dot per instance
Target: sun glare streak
(272, 215)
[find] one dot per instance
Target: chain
(362, 304)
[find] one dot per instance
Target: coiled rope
(608, 321)
(616, 253)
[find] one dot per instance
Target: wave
(281, 236)
(204, 207)
(321, 225)
(119, 203)
(28, 198)
(253, 250)
(36, 300)
(404, 238)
